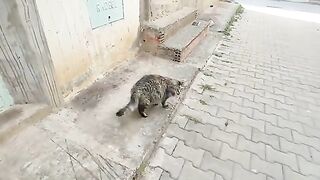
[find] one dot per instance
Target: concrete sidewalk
(253, 112)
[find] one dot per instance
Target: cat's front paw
(119, 113)
(144, 115)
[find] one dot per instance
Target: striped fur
(149, 91)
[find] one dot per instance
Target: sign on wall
(103, 12)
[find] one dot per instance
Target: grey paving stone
(272, 169)
(253, 147)
(290, 124)
(311, 141)
(278, 112)
(223, 168)
(282, 132)
(234, 116)
(242, 109)
(201, 117)
(311, 131)
(253, 105)
(209, 145)
(301, 118)
(197, 105)
(292, 175)
(223, 136)
(231, 98)
(272, 140)
(300, 149)
(216, 101)
(189, 153)
(204, 129)
(308, 168)
(264, 100)
(283, 106)
(258, 124)
(167, 162)
(240, 157)
(189, 172)
(255, 91)
(180, 120)
(239, 129)
(168, 144)
(288, 159)
(165, 176)
(244, 95)
(273, 119)
(175, 131)
(277, 97)
(315, 155)
(218, 177)
(242, 174)
(152, 173)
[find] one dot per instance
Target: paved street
(253, 113)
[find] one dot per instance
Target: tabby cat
(149, 91)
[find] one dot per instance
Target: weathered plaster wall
(5, 98)
(25, 62)
(162, 8)
(79, 53)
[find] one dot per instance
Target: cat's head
(175, 87)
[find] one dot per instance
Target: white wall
(80, 54)
(161, 8)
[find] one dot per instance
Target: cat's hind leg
(143, 106)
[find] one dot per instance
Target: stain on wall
(25, 62)
(79, 53)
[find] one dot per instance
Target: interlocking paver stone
(300, 149)
(241, 157)
(239, 129)
(253, 105)
(272, 169)
(281, 132)
(223, 136)
(191, 173)
(308, 168)
(167, 162)
(180, 120)
(290, 124)
(204, 129)
(189, 153)
(292, 175)
(311, 141)
(253, 147)
(258, 124)
(165, 176)
(168, 144)
(272, 140)
(224, 168)
(315, 155)
(288, 159)
(242, 174)
(271, 118)
(209, 145)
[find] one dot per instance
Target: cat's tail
(130, 106)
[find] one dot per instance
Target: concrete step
(156, 32)
(179, 46)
